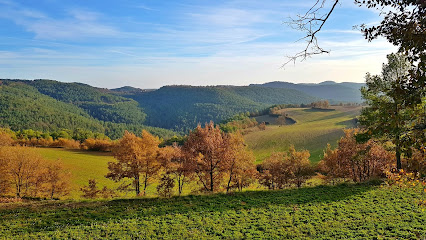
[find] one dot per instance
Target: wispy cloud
(78, 24)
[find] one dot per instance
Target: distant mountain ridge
(328, 90)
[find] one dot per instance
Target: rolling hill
(23, 106)
(181, 108)
(314, 128)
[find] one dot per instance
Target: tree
(175, 163)
(206, 149)
(166, 185)
(389, 114)
(286, 169)
(333, 165)
(5, 137)
(357, 161)
(273, 172)
(55, 180)
(239, 163)
(136, 159)
(91, 191)
(300, 168)
(23, 168)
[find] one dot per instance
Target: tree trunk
(230, 178)
(398, 153)
(137, 185)
(211, 176)
(145, 184)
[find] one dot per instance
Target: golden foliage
(282, 170)
(356, 161)
(136, 159)
(26, 173)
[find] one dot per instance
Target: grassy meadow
(314, 128)
(83, 165)
(350, 211)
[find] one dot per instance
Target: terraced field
(314, 128)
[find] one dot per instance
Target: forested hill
(182, 107)
(332, 91)
(75, 106)
(99, 103)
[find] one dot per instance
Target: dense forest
(24, 107)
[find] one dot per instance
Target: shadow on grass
(348, 123)
(319, 110)
(49, 216)
(89, 152)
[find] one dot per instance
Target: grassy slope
(312, 131)
(324, 212)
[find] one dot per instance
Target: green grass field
(312, 131)
(363, 211)
(83, 165)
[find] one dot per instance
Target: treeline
(77, 139)
(214, 160)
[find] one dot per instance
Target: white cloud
(79, 25)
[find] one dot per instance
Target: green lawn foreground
(350, 211)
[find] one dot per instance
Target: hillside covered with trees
(181, 108)
(22, 106)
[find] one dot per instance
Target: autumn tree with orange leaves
(357, 161)
(206, 148)
(239, 163)
(282, 170)
(136, 159)
(176, 166)
(26, 174)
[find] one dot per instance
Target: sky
(152, 43)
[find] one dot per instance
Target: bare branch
(311, 23)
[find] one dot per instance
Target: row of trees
(220, 161)
(215, 159)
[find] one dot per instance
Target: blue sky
(153, 43)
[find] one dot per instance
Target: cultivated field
(364, 211)
(314, 128)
